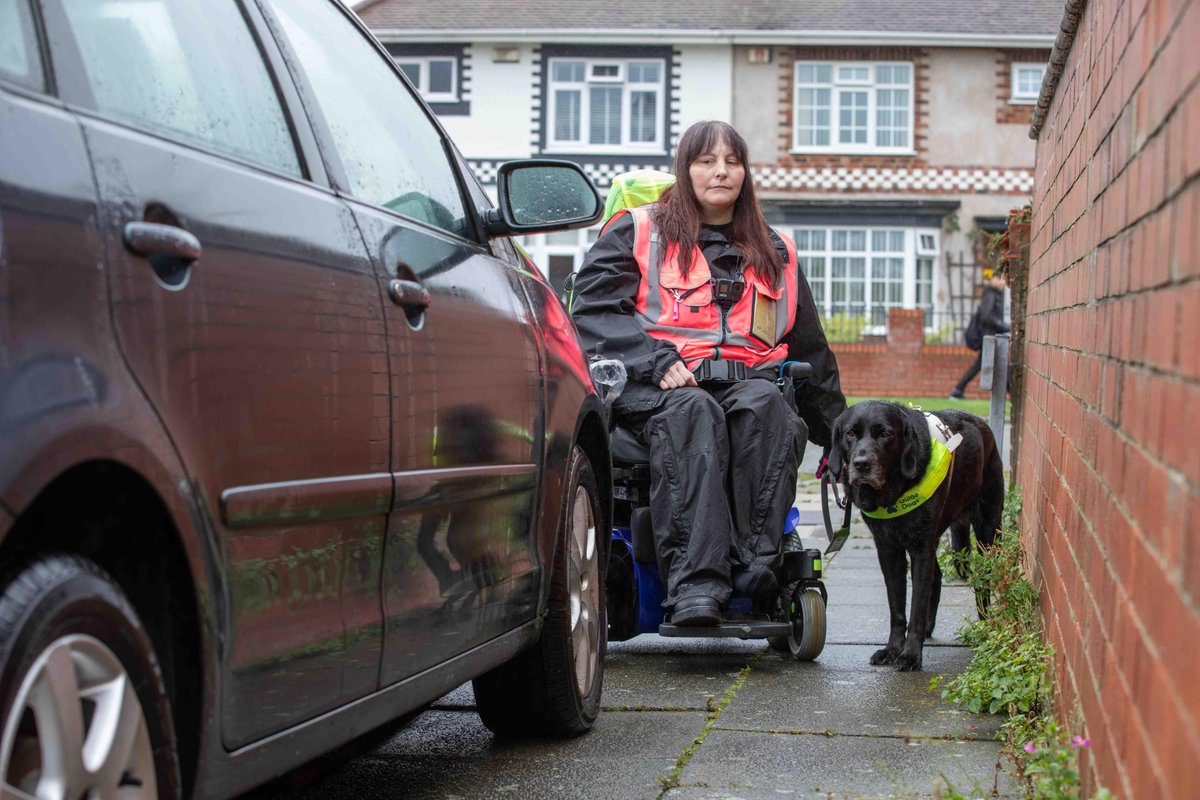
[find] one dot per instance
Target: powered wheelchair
(791, 619)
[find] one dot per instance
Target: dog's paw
(908, 662)
(884, 656)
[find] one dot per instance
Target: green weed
(1010, 672)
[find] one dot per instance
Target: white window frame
(422, 85)
(835, 87)
(1024, 98)
(540, 248)
(582, 145)
(913, 249)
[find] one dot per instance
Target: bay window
(857, 274)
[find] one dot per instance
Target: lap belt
(727, 371)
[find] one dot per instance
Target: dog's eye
(883, 433)
(851, 435)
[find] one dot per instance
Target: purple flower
(1029, 748)
(1079, 741)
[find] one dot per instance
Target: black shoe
(698, 610)
(758, 583)
(956, 394)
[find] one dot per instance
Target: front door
(252, 319)
(458, 564)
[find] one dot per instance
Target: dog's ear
(835, 449)
(914, 445)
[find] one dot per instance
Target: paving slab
(807, 766)
(449, 754)
(842, 693)
(651, 671)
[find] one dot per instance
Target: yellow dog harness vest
(942, 445)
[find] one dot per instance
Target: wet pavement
(686, 719)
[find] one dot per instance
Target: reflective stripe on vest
(681, 310)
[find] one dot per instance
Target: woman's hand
(677, 377)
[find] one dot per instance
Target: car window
(192, 70)
(19, 58)
(392, 153)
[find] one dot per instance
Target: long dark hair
(679, 215)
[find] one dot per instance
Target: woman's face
(717, 178)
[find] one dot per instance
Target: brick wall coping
(1058, 59)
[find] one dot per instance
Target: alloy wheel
(583, 578)
(76, 729)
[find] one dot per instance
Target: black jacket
(991, 311)
(606, 298)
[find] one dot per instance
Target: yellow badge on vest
(762, 323)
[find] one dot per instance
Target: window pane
(896, 241)
(643, 115)
(605, 127)
(644, 73)
(812, 116)
(879, 240)
(883, 74)
(853, 117)
(441, 76)
(900, 74)
(568, 71)
(566, 115)
(824, 73)
(858, 241)
(801, 239)
(605, 71)
(152, 63)
(391, 152)
(841, 240)
(806, 73)
(570, 238)
(19, 59)
(818, 240)
(412, 71)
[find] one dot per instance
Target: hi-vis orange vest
(681, 310)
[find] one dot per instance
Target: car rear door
(250, 315)
(459, 565)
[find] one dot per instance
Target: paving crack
(714, 713)
(830, 733)
(640, 707)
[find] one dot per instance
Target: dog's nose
(861, 462)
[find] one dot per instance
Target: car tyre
(553, 688)
(83, 707)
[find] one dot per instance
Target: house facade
(885, 136)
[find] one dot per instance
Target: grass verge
(1010, 671)
(978, 407)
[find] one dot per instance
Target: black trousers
(971, 372)
(723, 464)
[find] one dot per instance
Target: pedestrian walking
(987, 320)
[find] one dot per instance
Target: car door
(458, 563)
(248, 312)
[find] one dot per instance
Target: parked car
(292, 441)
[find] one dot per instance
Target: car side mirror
(538, 195)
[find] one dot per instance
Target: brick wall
(903, 366)
(1109, 454)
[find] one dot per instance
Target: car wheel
(554, 687)
(83, 709)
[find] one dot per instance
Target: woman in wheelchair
(703, 303)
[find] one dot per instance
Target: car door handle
(409, 294)
(148, 239)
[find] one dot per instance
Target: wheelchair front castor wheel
(806, 613)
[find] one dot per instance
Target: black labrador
(881, 451)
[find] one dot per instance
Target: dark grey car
(293, 440)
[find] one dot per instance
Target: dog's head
(876, 444)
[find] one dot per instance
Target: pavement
(692, 719)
